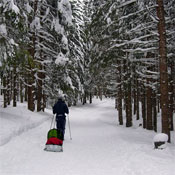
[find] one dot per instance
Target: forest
(121, 49)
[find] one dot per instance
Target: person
(60, 109)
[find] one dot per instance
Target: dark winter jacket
(60, 108)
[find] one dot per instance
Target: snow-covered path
(99, 147)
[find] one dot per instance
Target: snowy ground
(99, 145)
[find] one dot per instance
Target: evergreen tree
(163, 68)
(94, 47)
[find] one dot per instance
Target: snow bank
(161, 137)
(160, 141)
(16, 120)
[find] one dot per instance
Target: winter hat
(61, 97)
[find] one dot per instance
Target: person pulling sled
(55, 136)
(60, 109)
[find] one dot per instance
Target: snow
(64, 7)
(14, 7)
(64, 40)
(69, 82)
(108, 20)
(35, 24)
(61, 59)
(29, 8)
(127, 3)
(3, 30)
(99, 146)
(56, 24)
(161, 137)
(11, 41)
(18, 120)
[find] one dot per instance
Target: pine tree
(163, 68)
(170, 15)
(77, 46)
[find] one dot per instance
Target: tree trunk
(26, 89)
(8, 87)
(154, 112)
(116, 102)
(100, 92)
(41, 71)
(14, 85)
(128, 99)
(39, 91)
(5, 91)
(119, 93)
(171, 94)
(31, 105)
(137, 101)
(32, 51)
(144, 108)
(173, 75)
(149, 108)
(129, 108)
(30, 88)
(135, 95)
(21, 92)
(44, 101)
(84, 97)
(120, 113)
(163, 69)
(90, 97)
(1, 83)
